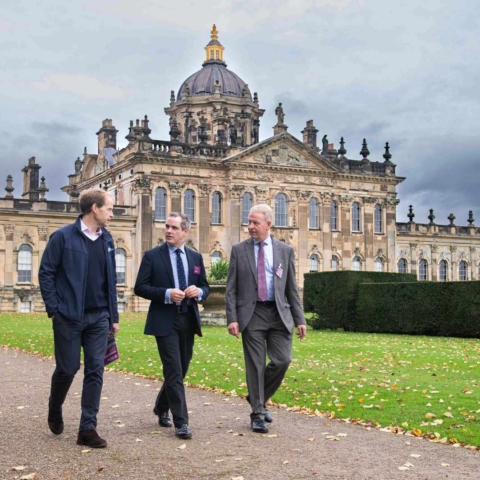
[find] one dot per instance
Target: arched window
(334, 264)
(313, 263)
(24, 264)
(356, 264)
(334, 216)
(313, 213)
(442, 271)
(462, 271)
(217, 207)
(422, 270)
(121, 264)
(281, 210)
(378, 265)
(189, 204)
(247, 202)
(378, 219)
(216, 256)
(160, 204)
(402, 266)
(355, 217)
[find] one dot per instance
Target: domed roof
(203, 81)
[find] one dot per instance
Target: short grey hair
(185, 224)
(265, 209)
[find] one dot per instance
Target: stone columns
(454, 271)
(303, 197)
(9, 258)
(344, 214)
(413, 258)
(473, 264)
(204, 219)
(234, 221)
(143, 189)
(434, 268)
(326, 233)
(176, 195)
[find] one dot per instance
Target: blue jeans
(69, 338)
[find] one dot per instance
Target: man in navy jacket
(78, 284)
(173, 278)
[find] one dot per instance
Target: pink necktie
(261, 277)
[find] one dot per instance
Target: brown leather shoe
(91, 439)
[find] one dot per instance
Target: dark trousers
(265, 334)
(176, 351)
(69, 338)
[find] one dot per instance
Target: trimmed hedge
(450, 309)
(332, 296)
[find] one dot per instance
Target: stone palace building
(337, 212)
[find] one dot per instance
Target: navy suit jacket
(155, 276)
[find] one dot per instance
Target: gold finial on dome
(214, 48)
(214, 32)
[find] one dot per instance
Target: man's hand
(176, 295)
(116, 328)
(192, 292)
(234, 329)
(302, 331)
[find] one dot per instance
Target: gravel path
(223, 447)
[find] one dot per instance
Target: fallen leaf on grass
(430, 415)
(182, 447)
(448, 414)
(18, 469)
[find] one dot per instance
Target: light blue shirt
(173, 259)
(268, 253)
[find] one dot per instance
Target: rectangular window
(121, 307)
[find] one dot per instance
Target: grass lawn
(429, 386)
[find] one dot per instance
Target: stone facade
(336, 212)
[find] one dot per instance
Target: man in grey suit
(263, 304)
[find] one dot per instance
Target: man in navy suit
(173, 278)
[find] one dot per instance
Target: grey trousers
(69, 338)
(265, 334)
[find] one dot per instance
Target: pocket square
(196, 270)
(279, 271)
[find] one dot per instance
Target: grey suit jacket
(241, 293)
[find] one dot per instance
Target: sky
(404, 72)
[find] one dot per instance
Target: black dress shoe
(55, 421)
(163, 418)
(268, 416)
(259, 426)
(183, 432)
(91, 439)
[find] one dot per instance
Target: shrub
(218, 271)
(332, 296)
(429, 308)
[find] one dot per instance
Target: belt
(267, 303)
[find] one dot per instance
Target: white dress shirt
(86, 231)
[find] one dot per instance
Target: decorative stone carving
(434, 248)
(453, 248)
(345, 199)
(42, 230)
(370, 199)
(384, 188)
(205, 189)
(326, 198)
(413, 246)
(176, 187)
(9, 228)
(473, 249)
(303, 194)
(143, 182)
(236, 190)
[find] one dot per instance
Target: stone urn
(213, 312)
